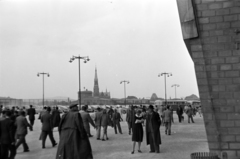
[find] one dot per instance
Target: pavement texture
(185, 139)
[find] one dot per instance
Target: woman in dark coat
(153, 123)
(137, 135)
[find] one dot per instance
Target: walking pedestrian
(167, 115)
(31, 115)
(116, 121)
(21, 133)
(137, 135)
(56, 117)
(47, 127)
(74, 142)
(86, 120)
(179, 113)
(104, 124)
(129, 118)
(98, 119)
(153, 123)
(189, 112)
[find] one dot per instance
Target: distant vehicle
(173, 103)
(63, 109)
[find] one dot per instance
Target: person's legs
(119, 127)
(188, 118)
(25, 146)
(104, 132)
(129, 127)
(4, 151)
(115, 127)
(19, 141)
(134, 143)
(169, 128)
(151, 141)
(12, 152)
(179, 118)
(192, 119)
(50, 133)
(98, 132)
(166, 127)
(44, 137)
(139, 147)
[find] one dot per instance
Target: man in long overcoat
(116, 121)
(153, 123)
(74, 142)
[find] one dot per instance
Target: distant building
(192, 97)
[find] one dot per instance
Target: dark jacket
(179, 111)
(98, 118)
(7, 131)
(22, 124)
(56, 118)
(117, 117)
(31, 113)
(46, 120)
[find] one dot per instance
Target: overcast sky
(126, 40)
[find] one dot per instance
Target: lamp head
(38, 74)
(70, 61)
(48, 75)
(85, 61)
(88, 59)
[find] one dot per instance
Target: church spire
(96, 87)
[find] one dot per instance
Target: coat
(154, 122)
(56, 118)
(179, 110)
(47, 123)
(74, 142)
(116, 117)
(22, 124)
(98, 118)
(167, 116)
(105, 120)
(7, 131)
(130, 115)
(86, 120)
(31, 113)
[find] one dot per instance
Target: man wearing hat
(74, 142)
(153, 123)
(86, 120)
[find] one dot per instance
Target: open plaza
(185, 139)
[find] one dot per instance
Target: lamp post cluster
(124, 81)
(175, 85)
(48, 75)
(85, 59)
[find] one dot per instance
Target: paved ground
(185, 139)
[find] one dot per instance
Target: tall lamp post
(125, 89)
(47, 74)
(175, 85)
(85, 58)
(168, 75)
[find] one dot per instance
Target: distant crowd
(74, 127)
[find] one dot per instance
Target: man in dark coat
(116, 121)
(47, 127)
(153, 123)
(31, 114)
(179, 113)
(129, 118)
(74, 142)
(167, 115)
(56, 117)
(7, 140)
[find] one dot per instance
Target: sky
(125, 40)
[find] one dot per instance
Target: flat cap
(150, 107)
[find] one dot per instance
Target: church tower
(96, 87)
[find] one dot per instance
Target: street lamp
(43, 73)
(85, 58)
(175, 85)
(168, 75)
(125, 88)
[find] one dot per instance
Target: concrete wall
(217, 65)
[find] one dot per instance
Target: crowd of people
(74, 127)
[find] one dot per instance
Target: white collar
(138, 115)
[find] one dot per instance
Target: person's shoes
(107, 138)
(103, 139)
(151, 151)
(132, 152)
(115, 133)
(157, 151)
(43, 147)
(139, 151)
(121, 133)
(98, 138)
(26, 150)
(54, 144)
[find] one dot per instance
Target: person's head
(56, 108)
(22, 113)
(190, 106)
(1, 106)
(45, 108)
(31, 106)
(4, 113)
(104, 111)
(84, 108)
(98, 109)
(168, 107)
(150, 108)
(23, 107)
(8, 113)
(73, 107)
(48, 109)
(13, 108)
(115, 110)
(139, 112)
